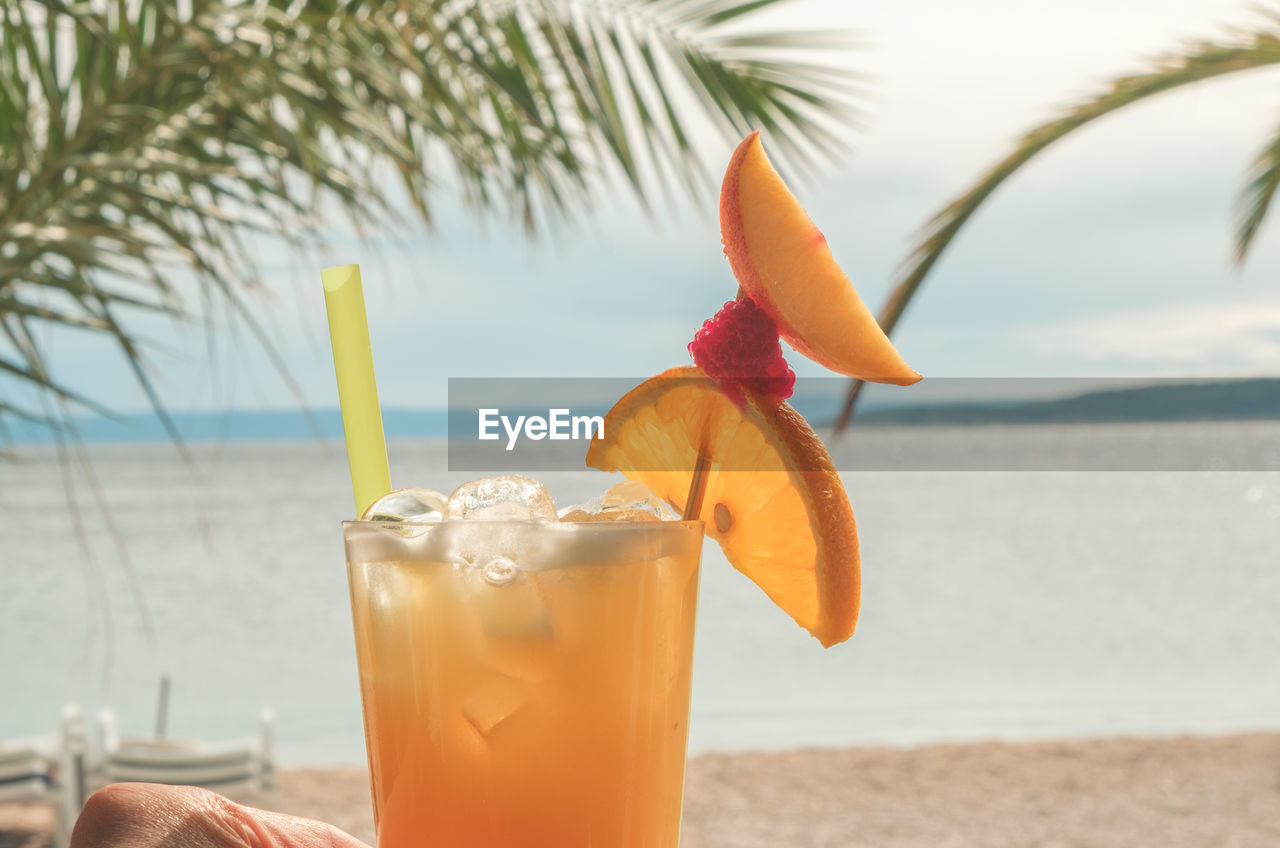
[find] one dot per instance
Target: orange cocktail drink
(525, 684)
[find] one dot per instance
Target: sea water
(996, 604)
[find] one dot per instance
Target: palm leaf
(142, 145)
(1255, 200)
(1205, 61)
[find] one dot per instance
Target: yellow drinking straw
(357, 390)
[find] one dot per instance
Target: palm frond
(1204, 61)
(1255, 200)
(143, 144)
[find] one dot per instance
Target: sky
(1109, 256)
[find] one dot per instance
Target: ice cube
(508, 603)
(499, 570)
(629, 500)
(509, 498)
(407, 506)
(578, 516)
(498, 698)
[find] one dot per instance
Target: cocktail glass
(525, 684)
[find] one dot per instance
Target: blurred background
(170, 278)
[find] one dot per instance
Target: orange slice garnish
(773, 499)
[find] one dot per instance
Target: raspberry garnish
(739, 345)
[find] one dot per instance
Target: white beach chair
(234, 769)
(50, 770)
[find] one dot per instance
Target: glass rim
(536, 544)
(684, 523)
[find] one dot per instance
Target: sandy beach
(1221, 792)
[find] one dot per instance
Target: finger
(145, 815)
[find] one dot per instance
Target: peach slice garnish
(783, 263)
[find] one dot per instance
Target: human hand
(146, 815)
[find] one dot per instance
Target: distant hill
(1216, 401)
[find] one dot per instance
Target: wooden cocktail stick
(697, 487)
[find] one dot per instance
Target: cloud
(1193, 340)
